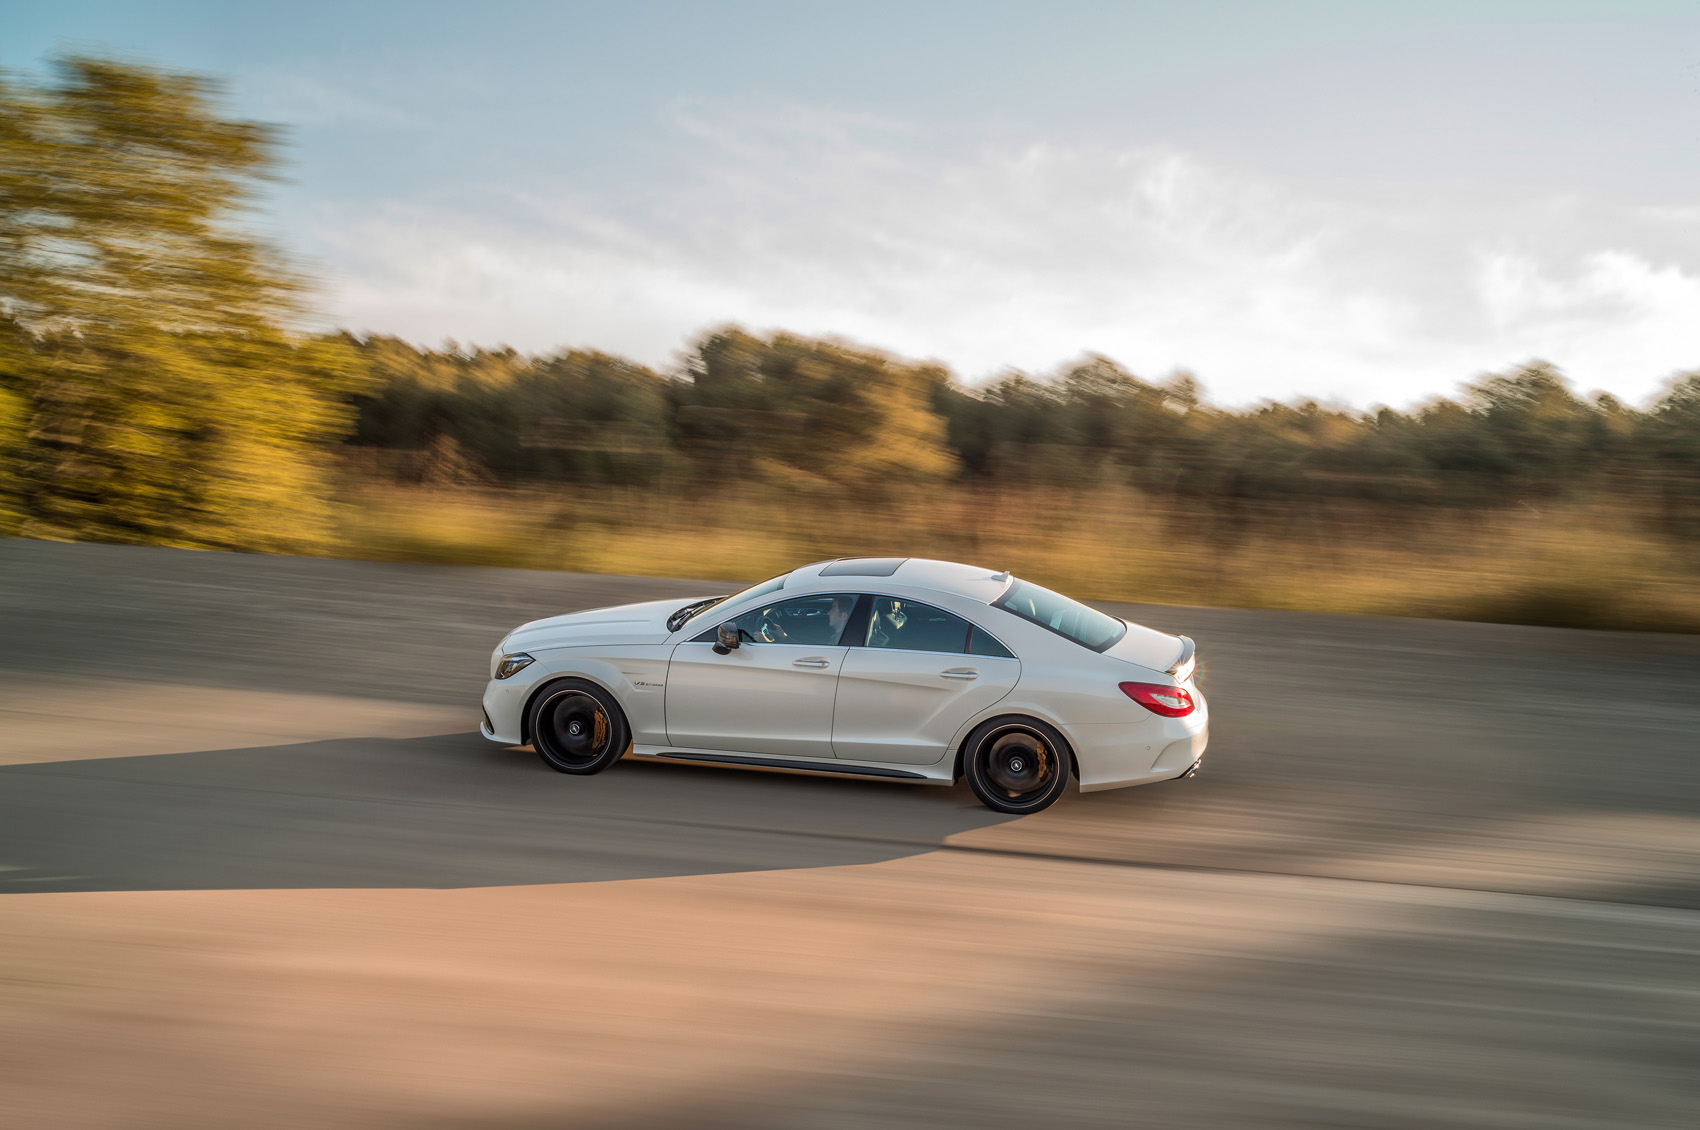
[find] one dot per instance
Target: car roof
(970, 581)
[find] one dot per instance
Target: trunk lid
(1148, 648)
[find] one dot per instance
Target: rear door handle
(811, 663)
(960, 673)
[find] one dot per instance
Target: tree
(1670, 439)
(149, 347)
(797, 409)
(577, 415)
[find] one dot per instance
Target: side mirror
(728, 640)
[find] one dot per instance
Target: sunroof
(863, 567)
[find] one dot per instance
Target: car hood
(1147, 647)
(621, 624)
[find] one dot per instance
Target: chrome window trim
(1010, 658)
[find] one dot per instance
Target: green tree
(578, 415)
(791, 408)
(151, 357)
(1670, 440)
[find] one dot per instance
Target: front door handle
(811, 663)
(960, 673)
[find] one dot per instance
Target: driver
(779, 628)
(839, 615)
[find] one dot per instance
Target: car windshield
(1087, 627)
(772, 584)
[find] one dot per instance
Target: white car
(887, 667)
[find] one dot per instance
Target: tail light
(1170, 702)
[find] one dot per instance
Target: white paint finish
(904, 707)
(643, 670)
(504, 706)
(621, 624)
(1114, 756)
(764, 698)
(756, 701)
(1179, 754)
(977, 584)
(1078, 687)
(1146, 647)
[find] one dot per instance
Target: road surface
(257, 867)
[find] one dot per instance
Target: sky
(1365, 203)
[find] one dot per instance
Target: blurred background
(428, 319)
(1307, 306)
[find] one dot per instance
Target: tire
(577, 727)
(1016, 765)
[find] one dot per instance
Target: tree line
(808, 411)
(156, 386)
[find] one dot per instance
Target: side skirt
(794, 766)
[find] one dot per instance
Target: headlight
(511, 664)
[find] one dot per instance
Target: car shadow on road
(437, 812)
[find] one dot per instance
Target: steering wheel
(770, 629)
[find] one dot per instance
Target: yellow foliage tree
(163, 393)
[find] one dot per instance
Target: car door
(773, 694)
(917, 674)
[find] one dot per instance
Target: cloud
(1030, 255)
(1607, 312)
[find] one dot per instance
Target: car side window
(809, 621)
(909, 625)
(981, 642)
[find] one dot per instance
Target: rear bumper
(1115, 756)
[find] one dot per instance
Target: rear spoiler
(1182, 667)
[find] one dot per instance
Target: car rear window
(1071, 619)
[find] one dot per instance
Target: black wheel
(1017, 765)
(577, 727)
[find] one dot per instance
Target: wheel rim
(1019, 763)
(575, 728)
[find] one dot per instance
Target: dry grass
(1584, 565)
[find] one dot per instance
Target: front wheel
(577, 727)
(1016, 765)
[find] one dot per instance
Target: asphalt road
(1500, 826)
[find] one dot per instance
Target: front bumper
(504, 703)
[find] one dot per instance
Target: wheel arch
(554, 679)
(1012, 716)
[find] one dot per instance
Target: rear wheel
(577, 727)
(1016, 765)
